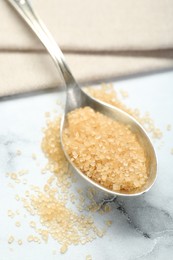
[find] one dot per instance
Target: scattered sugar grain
(88, 257)
(107, 208)
(17, 197)
(63, 249)
(13, 176)
(79, 190)
(10, 213)
(20, 242)
(100, 211)
(27, 193)
(11, 240)
(157, 133)
(108, 223)
(22, 172)
(99, 233)
(32, 238)
(72, 198)
(172, 151)
(36, 239)
(124, 93)
(24, 181)
(18, 224)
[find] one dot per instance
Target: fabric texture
(101, 40)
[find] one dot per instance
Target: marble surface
(142, 227)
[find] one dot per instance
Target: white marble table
(142, 227)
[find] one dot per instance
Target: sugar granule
(20, 242)
(17, 197)
(15, 176)
(18, 224)
(11, 240)
(10, 213)
(32, 238)
(63, 249)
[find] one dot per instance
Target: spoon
(76, 98)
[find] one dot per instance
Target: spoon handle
(24, 8)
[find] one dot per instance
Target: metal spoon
(76, 98)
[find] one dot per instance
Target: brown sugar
(11, 240)
(50, 202)
(105, 150)
(20, 242)
(51, 147)
(61, 223)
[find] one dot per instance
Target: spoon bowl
(77, 98)
(121, 117)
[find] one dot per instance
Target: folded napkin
(101, 40)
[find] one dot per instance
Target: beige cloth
(101, 39)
